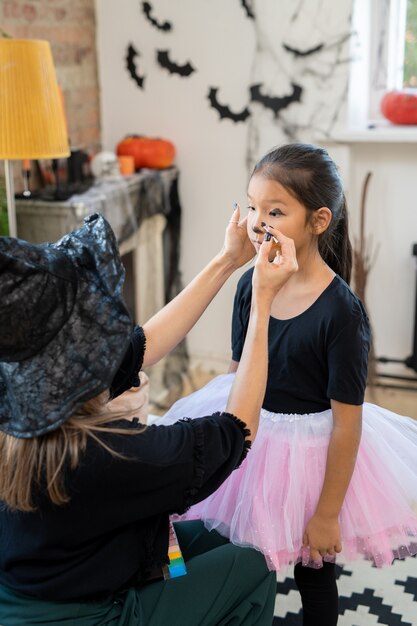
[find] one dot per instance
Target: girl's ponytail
(335, 247)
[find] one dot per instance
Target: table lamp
(32, 120)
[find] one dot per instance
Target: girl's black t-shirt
(317, 356)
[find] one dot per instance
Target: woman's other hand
(237, 247)
(270, 276)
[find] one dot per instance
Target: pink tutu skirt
(267, 502)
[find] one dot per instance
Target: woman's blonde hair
(27, 464)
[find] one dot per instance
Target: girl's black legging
(319, 595)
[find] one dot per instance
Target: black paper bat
(224, 111)
(132, 53)
(173, 68)
(303, 53)
(275, 103)
(147, 8)
(248, 9)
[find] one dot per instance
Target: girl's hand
(322, 537)
(270, 276)
(237, 247)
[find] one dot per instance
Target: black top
(114, 530)
(319, 355)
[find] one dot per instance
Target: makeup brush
(276, 246)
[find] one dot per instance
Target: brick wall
(70, 28)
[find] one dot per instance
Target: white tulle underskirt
(267, 502)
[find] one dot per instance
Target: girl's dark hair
(308, 173)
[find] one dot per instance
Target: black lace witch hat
(64, 326)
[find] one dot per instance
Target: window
(410, 48)
(384, 55)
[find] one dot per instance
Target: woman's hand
(270, 276)
(237, 247)
(248, 390)
(322, 537)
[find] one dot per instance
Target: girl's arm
(322, 533)
(248, 389)
(170, 325)
(233, 366)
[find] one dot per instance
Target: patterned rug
(368, 596)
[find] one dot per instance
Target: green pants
(225, 586)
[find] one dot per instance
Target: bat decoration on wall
(132, 53)
(173, 68)
(224, 111)
(275, 103)
(248, 8)
(147, 9)
(303, 53)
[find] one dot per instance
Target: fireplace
(145, 214)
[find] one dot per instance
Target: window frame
(377, 53)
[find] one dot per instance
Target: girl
(311, 487)
(85, 495)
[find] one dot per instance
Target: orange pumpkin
(149, 152)
(400, 107)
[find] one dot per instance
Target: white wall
(391, 222)
(232, 51)
(211, 155)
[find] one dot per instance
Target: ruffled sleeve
(127, 375)
(220, 445)
(166, 469)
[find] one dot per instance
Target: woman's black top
(114, 530)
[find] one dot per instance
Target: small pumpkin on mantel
(149, 152)
(400, 106)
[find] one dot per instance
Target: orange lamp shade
(32, 120)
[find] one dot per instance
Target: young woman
(86, 494)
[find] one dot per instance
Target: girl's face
(270, 203)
